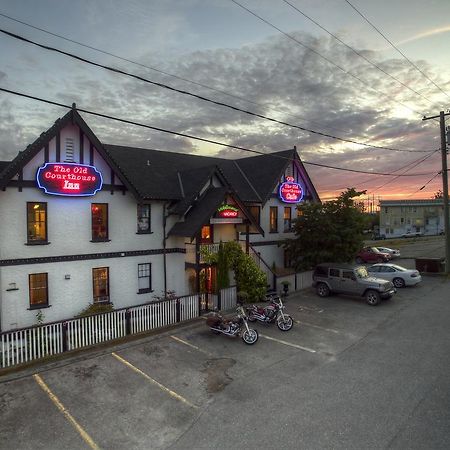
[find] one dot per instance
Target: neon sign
(69, 179)
(227, 211)
(290, 191)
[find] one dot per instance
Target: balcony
(205, 251)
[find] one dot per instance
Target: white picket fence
(28, 344)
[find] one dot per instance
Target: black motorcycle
(271, 313)
(235, 326)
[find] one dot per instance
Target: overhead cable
(130, 122)
(324, 57)
(168, 74)
(356, 52)
(234, 108)
(395, 47)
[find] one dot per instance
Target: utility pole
(444, 186)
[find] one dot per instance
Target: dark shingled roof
(177, 177)
(155, 174)
(201, 214)
(3, 166)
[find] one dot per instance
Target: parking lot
(189, 388)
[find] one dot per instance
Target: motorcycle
(271, 313)
(236, 326)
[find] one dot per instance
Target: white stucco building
(83, 222)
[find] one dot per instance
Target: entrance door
(208, 280)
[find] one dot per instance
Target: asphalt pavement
(347, 376)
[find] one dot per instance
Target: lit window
(206, 235)
(38, 285)
(273, 219)
(100, 279)
(255, 211)
(36, 223)
(143, 219)
(144, 278)
(99, 221)
(287, 219)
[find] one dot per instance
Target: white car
(399, 276)
(392, 251)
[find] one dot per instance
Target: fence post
(178, 310)
(65, 343)
(219, 299)
(127, 321)
(199, 304)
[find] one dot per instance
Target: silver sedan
(400, 276)
(392, 251)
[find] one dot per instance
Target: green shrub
(96, 308)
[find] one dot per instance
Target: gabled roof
(177, 177)
(265, 171)
(72, 117)
(191, 183)
(204, 208)
(200, 214)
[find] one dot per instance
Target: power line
(413, 164)
(395, 47)
(357, 52)
(427, 183)
(130, 122)
(234, 108)
(364, 171)
(323, 57)
(163, 72)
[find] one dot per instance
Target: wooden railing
(41, 341)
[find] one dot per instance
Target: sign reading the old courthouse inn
(290, 191)
(69, 179)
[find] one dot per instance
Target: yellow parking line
(162, 387)
(191, 345)
(66, 413)
(306, 349)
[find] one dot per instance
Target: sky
(316, 65)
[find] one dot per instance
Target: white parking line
(331, 330)
(149, 378)
(310, 309)
(191, 345)
(306, 349)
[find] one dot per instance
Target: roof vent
(69, 150)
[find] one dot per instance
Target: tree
(438, 194)
(327, 232)
(223, 280)
(249, 277)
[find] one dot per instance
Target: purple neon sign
(290, 191)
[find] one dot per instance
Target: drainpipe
(164, 248)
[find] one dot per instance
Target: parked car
(351, 280)
(409, 234)
(392, 251)
(371, 255)
(400, 276)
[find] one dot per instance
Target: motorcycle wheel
(251, 318)
(250, 337)
(286, 324)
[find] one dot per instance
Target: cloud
(279, 79)
(425, 34)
